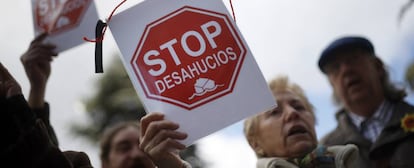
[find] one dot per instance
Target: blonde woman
(285, 135)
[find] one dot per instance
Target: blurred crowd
(375, 126)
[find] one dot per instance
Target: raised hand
(36, 62)
(159, 139)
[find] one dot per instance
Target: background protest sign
(66, 21)
(187, 59)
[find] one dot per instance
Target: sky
(285, 37)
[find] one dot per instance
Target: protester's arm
(36, 61)
(37, 64)
(25, 140)
(159, 139)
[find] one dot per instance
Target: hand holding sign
(187, 59)
(37, 65)
(159, 140)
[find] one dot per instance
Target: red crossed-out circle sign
(189, 57)
(54, 16)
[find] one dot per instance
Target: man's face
(355, 77)
(125, 153)
(288, 130)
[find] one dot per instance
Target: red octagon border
(210, 98)
(58, 31)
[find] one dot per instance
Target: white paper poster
(66, 21)
(187, 59)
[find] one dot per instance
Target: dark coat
(28, 140)
(393, 148)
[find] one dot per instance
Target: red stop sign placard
(58, 15)
(189, 57)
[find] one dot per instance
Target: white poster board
(66, 21)
(188, 60)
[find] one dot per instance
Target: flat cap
(343, 44)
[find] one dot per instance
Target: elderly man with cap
(373, 114)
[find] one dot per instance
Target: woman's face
(288, 130)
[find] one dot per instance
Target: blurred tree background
(115, 100)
